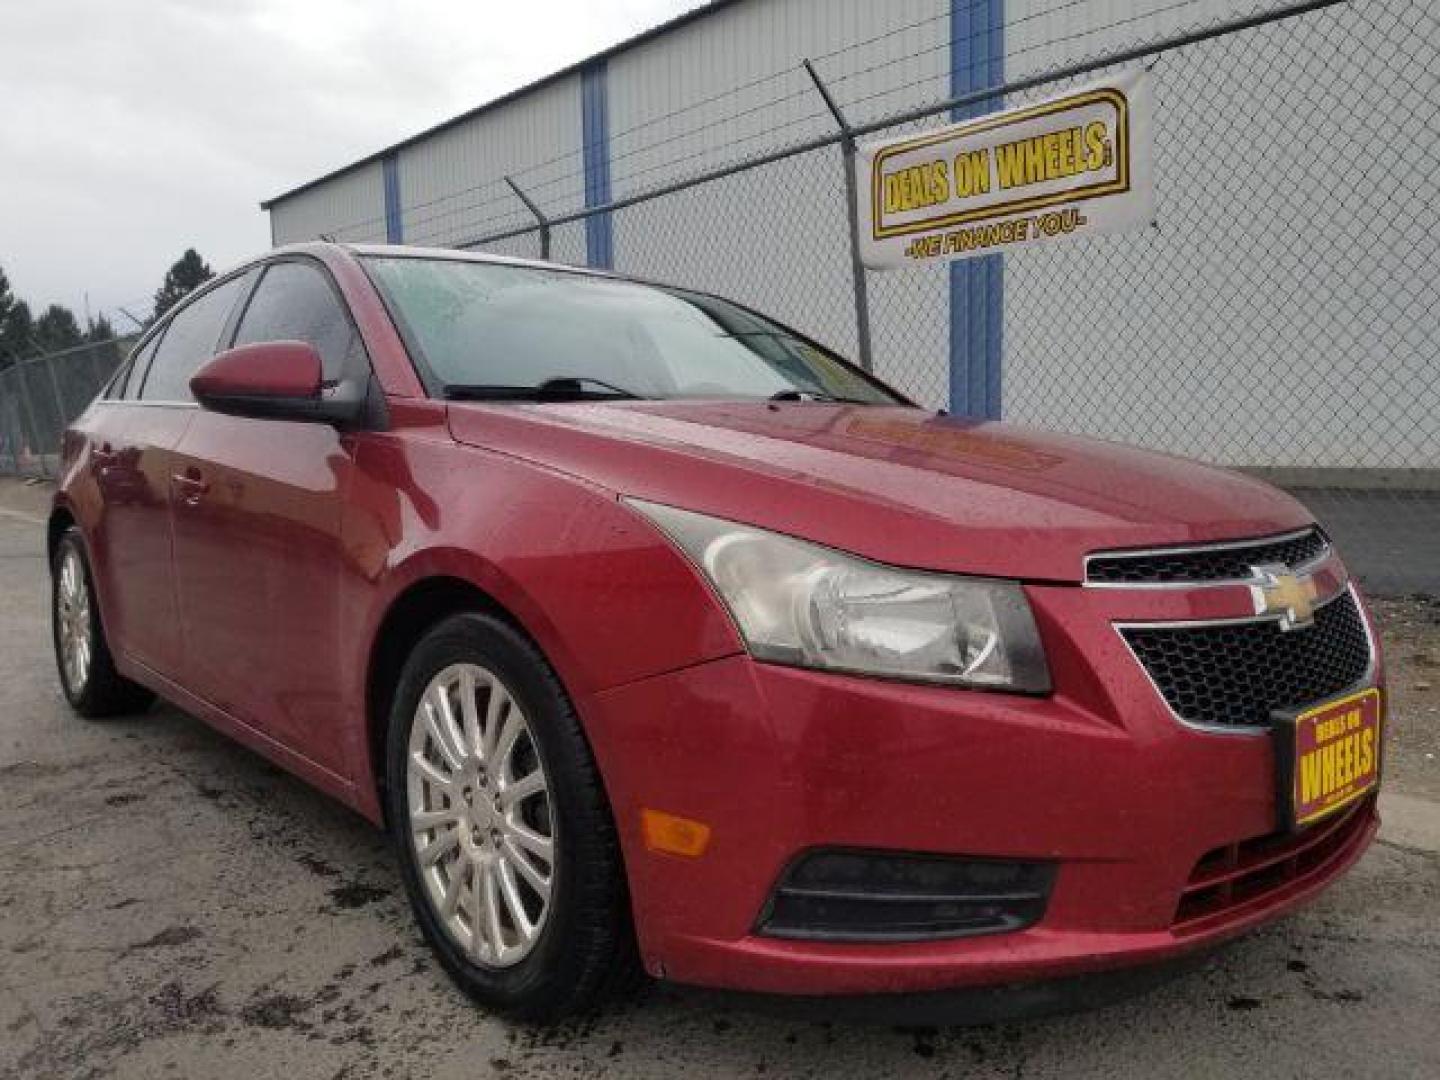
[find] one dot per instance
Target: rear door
(258, 553)
(132, 445)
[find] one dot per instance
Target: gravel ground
(1410, 638)
(172, 905)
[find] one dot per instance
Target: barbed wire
(1048, 43)
(575, 176)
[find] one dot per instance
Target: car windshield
(495, 330)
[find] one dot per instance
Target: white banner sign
(1071, 166)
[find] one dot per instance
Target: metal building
(1219, 334)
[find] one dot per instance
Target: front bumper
(1100, 778)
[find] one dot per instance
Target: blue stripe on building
(595, 136)
(390, 170)
(977, 286)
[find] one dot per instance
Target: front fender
(597, 587)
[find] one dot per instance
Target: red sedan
(659, 637)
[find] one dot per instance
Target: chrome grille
(1220, 562)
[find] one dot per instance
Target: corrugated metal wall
(1242, 328)
(349, 207)
(707, 92)
(1126, 313)
(452, 184)
(1042, 35)
(731, 86)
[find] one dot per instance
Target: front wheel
(82, 654)
(504, 834)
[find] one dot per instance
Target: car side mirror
(276, 380)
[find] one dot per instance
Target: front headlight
(811, 606)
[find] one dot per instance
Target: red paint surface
(276, 369)
(246, 566)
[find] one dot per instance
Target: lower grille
(1232, 878)
(1237, 674)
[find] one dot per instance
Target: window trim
(118, 378)
(118, 387)
(264, 266)
(163, 328)
(131, 368)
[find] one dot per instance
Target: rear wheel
(82, 655)
(504, 834)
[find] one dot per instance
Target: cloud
(132, 129)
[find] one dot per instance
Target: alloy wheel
(72, 614)
(480, 823)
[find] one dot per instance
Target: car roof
(407, 251)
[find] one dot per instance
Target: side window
(127, 383)
(295, 302)
(188, 342)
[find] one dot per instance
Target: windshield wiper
(557, 388)
(816, 395)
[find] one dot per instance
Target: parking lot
(170, 904)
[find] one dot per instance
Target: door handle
(190, 485)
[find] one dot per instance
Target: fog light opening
(843, 895)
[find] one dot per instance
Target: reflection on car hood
(901, 486)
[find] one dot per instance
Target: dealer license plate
(1327, 757)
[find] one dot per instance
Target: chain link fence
(41, 395)
(1281, 315)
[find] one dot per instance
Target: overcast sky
(132, 129)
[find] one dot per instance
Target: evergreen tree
(99, 329)
(7, 303)
(57, 329)
(17, 334)
(7, 298)
(189, 273)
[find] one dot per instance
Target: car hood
(897, 485)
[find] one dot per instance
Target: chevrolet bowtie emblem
(1281, 592)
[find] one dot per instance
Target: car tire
(92, 685)
(454, 711)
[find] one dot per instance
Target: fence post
(62, 418)
(98, 374)
(14, 436)
(28, 407)
(541, 218)
(852, 209)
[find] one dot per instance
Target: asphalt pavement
(172, 905)
(1390, 539)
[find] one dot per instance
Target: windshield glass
(483, 329)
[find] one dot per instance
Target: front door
(258, 552)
